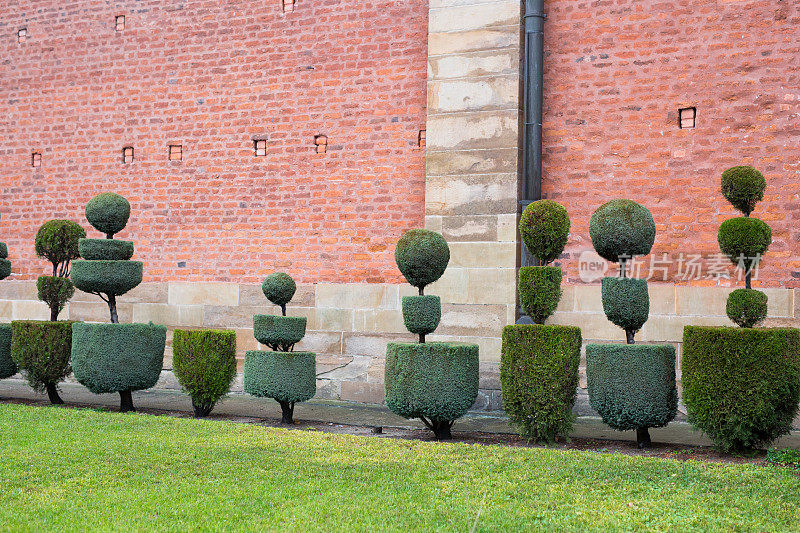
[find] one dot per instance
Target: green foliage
(422, 256)
(747, 308)
(626, 302)
(544, 227)
(282, 376)
(117, 357)
(3, 250)
(204, 362)
(421, 314)
(786, 457)
(279, 288)
(539, 377)
(744, 240)
(7, 365)
(109, 249)
(622, 229)
(280, 333)
(436, 380)
(632, 385)
(743, 187)
(55, 292)
(42, 350)
(106, 277)
(539, 291)
(741, 386)
(57, 241)
(5, 268)
(108, 213)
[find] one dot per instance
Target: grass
(68, 470)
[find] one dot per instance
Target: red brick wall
(616, 74)
(212, 76)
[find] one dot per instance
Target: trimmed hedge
(746, 307)
(743, 187)
(622, 228)
(279, 288)
(42, 351)
(285, 377)
(105, 276)
(422, 257)
(280, 333)
(437, 381)
(7, 365)
(626, 302)
(539, 291)
(544, 228)
(421, 314)
(55, 292)
(108, 249)
(539, 377)
(57, 241)
(204, 362)
(117, 357)
(108, 212)
(632, 385)
(5, 268)
(744, 239)
(741, 387)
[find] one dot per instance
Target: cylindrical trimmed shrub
(544, 228)
(741, 387)
(42, 351)
(105, 249)
(7, 365)
(108, 213)
(744, 240)
(743, 187)
(622, 229)
(436, 382)
(287, 378)
(632, 386)
(626, 302)
(422, 257)
(539, 291)
(280, 333)
(746, 307)
(421, 314)
(204, 362)
(106, 277)
(539, 377)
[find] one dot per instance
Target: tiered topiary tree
(539, 364)
(436, 382)
(204, 362)
(741, 385)
(284, 375)
(42, 349)
(631, 386)
(7, 366)
(113, 357)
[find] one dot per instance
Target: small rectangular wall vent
(22, 35)
(288, 5)
(175, 152)
(321, 142)
(260, 147)
(36, 159)
(119, 22)
(421, 139)
(687, 117)
(127, 154)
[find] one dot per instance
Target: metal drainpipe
(533, 79)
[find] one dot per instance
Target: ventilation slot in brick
(22, 35)
(421, 138)
(288, 5)
(687, 115)
(321, 142)
(175, 152)
(36, 159)
(119, 22)
(260, 146)
(127, 154)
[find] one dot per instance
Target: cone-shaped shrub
(42, 351)
(284, 375)
(436, 382)
(204, 362)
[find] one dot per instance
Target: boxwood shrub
(42, 351)
(279, 333)
(741, 386)
(746, 307)
(421, 314)
(539, 291)
(622, 229)
(106, 276)
(626, 302)
(544, 228)
(287, 378)
(422, 257)
(743, 187)
(109, 249)
(539, 377)
(7, 365)
(204, 362)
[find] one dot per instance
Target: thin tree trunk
(643, 438)
(287, 412)
(629, 336)
(126, 401)
(52, 394)
(53, 315)
(112, 307)
(202, 411)
(747, 280)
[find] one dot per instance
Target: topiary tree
(539, 364)
(57, 241)
(204, 362)
(113, 357)
(284, 375)
(436, 382)
(632, 387)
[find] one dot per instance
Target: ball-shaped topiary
(279, 288)
(57, 241)
(746, 307)
(622, 229)
(544, 227)
(108, 213)
(743, 187)
(422, 257)
(744, 240)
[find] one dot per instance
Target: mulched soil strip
(669, 451)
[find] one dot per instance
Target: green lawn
(67, 470)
